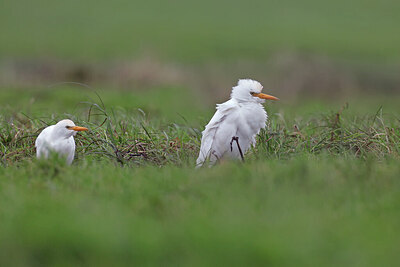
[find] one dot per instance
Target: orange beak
(79, 128)
(265, 96)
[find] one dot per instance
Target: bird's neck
(60, 135)
(241, 102)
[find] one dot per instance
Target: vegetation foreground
(319, 189)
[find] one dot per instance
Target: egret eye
(68, 127)
(252, 93)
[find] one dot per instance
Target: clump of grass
(114, 134)
(333, 133)
(131, 138)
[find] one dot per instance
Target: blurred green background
(325, 49)
(199, 31)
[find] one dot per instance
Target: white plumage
(58, 138)
(241, 117)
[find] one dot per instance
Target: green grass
(164, 125)
(198, 31)
(321, 188)
(305, 211)
(324, 193)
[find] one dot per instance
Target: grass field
(194, 31)
(305, 211)
(321, 188)
(324, 193)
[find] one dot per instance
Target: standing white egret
(235, 124)
(58, 138)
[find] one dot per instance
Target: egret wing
(41, 142)
(70, 151)
(218, 133)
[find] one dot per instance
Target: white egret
(58, 138)
(235, 124)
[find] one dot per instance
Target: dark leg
(236, 138)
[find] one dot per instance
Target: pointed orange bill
(78, 128)
(265, 96)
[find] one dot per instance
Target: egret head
(248, 90)
(67, 128)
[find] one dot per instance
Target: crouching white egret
(235, 124)
(58, 138)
